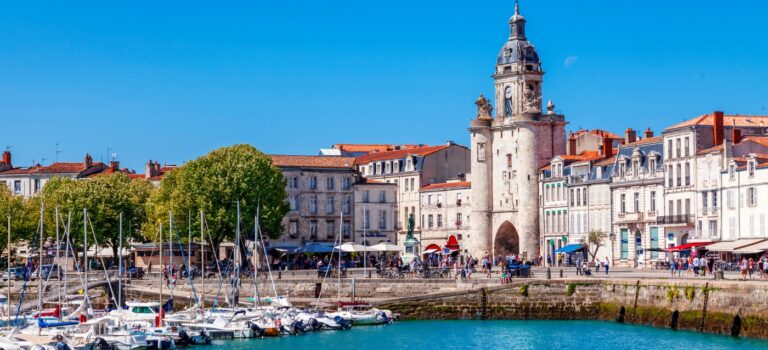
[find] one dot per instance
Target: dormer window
(396, 166)
(408, 164)
(732, 171)
(388, 167)
(622, 169)
(751, 167)
(635, 167)
(652, 165)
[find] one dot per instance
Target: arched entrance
(507, 241)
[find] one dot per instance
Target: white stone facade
(507, 151)
(445, 212)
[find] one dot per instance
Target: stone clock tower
(508, 148)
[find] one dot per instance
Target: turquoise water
(490, 335)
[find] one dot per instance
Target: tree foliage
(595, 240)
(23, 225)
(215, 183)
(104, 197)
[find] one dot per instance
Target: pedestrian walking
(605, 263)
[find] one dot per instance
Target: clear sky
(172, 80)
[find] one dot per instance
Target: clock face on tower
(508, 92)
(508, 101)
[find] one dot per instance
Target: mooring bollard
(561, 273)
(279, 274)
(369, 274)
(549, 273)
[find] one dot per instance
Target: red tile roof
(586, 155)
(65, 168)
(442, 185)
(420, 151)
(20, 171)
(645, 141)
(312, 161)
(598, 132)
(606, 161)
(352, 147)
(728, 120)
(760, 140)
(710, 150)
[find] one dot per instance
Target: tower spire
(517, 23)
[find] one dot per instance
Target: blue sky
(173, 80)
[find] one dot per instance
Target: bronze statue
(411, 225)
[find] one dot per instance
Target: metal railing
(676, 219)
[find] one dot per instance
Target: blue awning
(570, 248)
(316, 248)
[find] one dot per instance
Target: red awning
(688, 246)
(432, 248)
(453, 243)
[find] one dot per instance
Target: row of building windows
(682, 147)
(330, 229)
(431, 220)
(387, 167)
(636, 202)
(330, 183)
(295, 203)
(15, 186)
(676, 173)
(437, 199)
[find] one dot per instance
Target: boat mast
(66, 250)
(120, 265)
(162, 269)
(9, 268)
(85, 251)
(170, 250)
(202, 259)
(365, 247)
(256, 296)
(235, 285)
(56, 212)
(338, 263)
(40, 262)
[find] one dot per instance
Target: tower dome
(517, 48)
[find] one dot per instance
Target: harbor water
(497, 335)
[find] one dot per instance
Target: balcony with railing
(630, 217)
(685, 219)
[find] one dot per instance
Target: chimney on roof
(717, 128)
(630, 136)
(152, 169)
(572, 144)
(648, 133)
(88, 161)
(736, 137)
(7, 158)
(114, 165)
(450, 143)
(607, 147)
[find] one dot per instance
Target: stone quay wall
(722, 307)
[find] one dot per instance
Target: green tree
(214, 183)
(595, 240)
(104, 197)
(22, 226)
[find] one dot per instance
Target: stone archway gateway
(507, 240)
